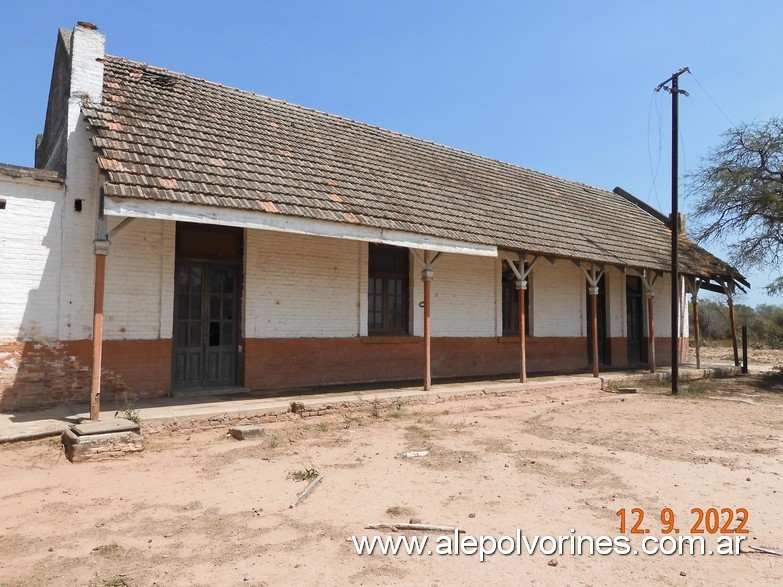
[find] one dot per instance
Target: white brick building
(276, 247)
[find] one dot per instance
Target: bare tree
(739, 191)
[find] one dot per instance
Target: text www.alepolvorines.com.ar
(518, 545)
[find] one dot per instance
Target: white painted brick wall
(463, 296)
(79, 228)
(78, 277)
(139, 281)
(301, 286)
(615, 302)
(29, 260)
(557, 299)
(661, 309)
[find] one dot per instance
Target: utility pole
(675, 91)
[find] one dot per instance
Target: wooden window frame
(386, 277)
(510, 327)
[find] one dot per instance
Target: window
(511, 303)
(387, 291)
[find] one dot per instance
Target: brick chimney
(77, 75)
(87, 50)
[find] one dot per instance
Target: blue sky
(561, 87)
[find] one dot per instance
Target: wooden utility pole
(675, 91)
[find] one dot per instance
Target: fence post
(744, 348)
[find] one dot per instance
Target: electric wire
(654, 169)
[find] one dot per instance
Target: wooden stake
(97, 336)
(421, 527)
(308, 489)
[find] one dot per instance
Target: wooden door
(206, 325)
(634, 306)
(207, 306)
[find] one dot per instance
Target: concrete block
(247, 432)
(100, 440)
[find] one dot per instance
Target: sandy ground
(725, 355)
(199, 508)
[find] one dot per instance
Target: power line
(726, 116)
(654, 171)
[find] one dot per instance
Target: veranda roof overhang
(176, 211)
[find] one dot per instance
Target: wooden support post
(522, 289)
(593, 278)
(697, 331)
(594, 305)
(427, 274)
(648, 279)
(427, 331)
(101, 250)
(522, 273)
(733, 331)
(696, 327)
(651, 330)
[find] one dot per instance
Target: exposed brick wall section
(285, 363)
(40, 374)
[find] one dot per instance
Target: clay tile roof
(167, 136)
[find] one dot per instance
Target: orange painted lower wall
(298, 362)
(39, 374)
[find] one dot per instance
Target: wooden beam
(293, 224)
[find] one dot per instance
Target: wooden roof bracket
(648, 279)
(103, 235)
(523, 270)
(427, 260)
(693, 284)
(120, 226)
(593, 275)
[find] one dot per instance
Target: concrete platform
(30, 425)
(102, 440)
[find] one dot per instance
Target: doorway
(603, 347)
(634, 307)
(207, 306)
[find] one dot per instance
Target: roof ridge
(456, 150)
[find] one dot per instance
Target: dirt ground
(199, 508)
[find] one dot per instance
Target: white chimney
(87, 51)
